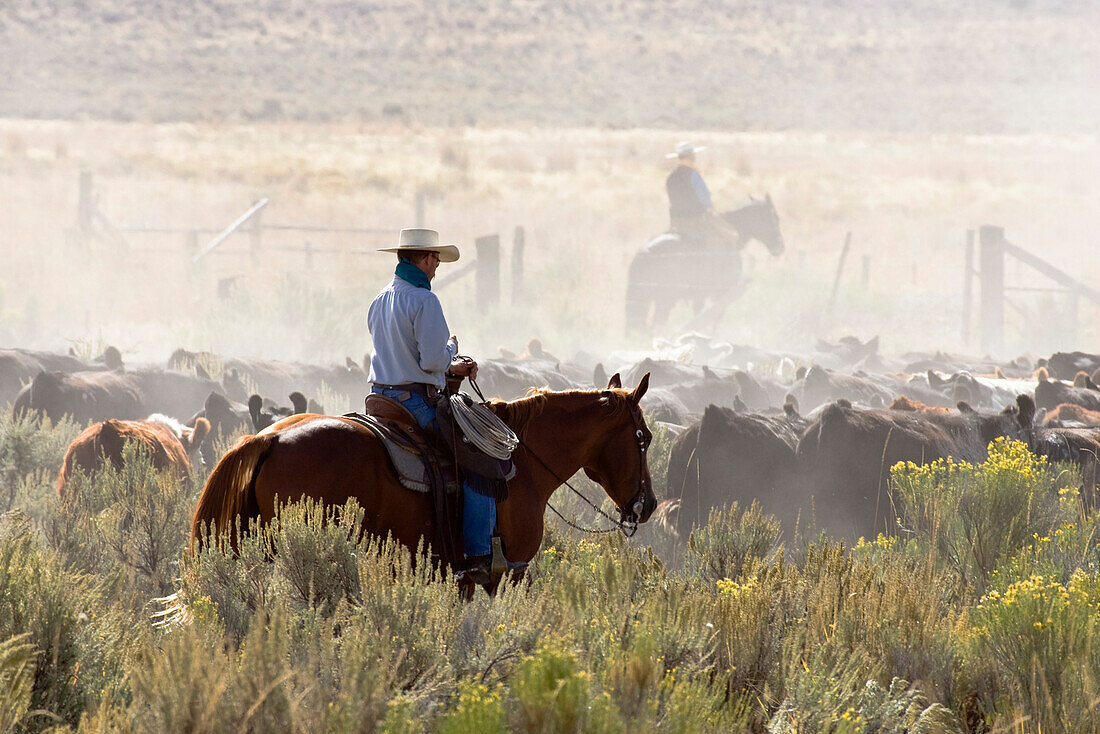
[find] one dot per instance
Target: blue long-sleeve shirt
(699, 186)
(410, 336)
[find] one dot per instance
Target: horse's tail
(230, 491)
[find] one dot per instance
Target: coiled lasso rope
(483, 428)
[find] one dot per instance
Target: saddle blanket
(408, 461)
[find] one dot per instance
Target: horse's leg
(643, 273)
(635, 308)
(649, 314)
(662, 307)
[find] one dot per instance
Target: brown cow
(729, 456)
(1068, 415)
(103, 442)
(1065, 365)
(19, 366)
(819, 386)
(263, 416)
(915, 406)
(1050, 393)
(85, 396)
(1080, 446)
(694, 387)
(1082, 379)
(846, 454)
(510, 380)
(271, 377)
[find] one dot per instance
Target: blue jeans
(479, 513)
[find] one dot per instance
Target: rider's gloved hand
(464, 367)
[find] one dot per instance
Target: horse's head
(758, 221)
(620, 466)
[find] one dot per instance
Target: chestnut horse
(334, 459)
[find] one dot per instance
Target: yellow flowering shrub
(1069, 547)
(974, 516)
(204, 612)
(478, 708)
(728, 587)
(551, 692)
(1040, 634)
(750, 616)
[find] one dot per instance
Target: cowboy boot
(478, 569)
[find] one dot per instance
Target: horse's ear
(615, 382)
(640, 390)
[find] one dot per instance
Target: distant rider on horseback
(691, 212)
(413, 353)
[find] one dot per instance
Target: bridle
(627, 522)
(645, 483)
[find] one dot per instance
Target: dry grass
(990, 65)
(331, 634)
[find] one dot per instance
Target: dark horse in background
(334, 459)
(670, 269)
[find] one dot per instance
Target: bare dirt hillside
(909, 65)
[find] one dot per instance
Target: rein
(628, 529)
(621, 525)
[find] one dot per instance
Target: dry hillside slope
(914, 65)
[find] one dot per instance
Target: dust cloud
(132, 138)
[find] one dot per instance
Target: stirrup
(499, 563)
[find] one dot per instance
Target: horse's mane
(519, 413)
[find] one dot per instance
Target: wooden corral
(263, 238)
(993, 250)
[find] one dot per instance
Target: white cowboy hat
(685, 148)
(415, 239)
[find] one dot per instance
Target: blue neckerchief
(409, 273)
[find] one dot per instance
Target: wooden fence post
(992, 271)
(968, 286)
(190, 250)
(866, 278)
(518, 243)
(840, 267)
(487, 278)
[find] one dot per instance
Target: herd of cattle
(810, 436)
